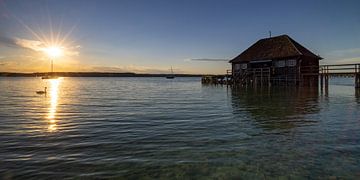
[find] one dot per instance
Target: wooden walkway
(339, 70)
(262, 76)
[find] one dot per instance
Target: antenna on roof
(270, 34)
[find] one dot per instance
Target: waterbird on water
(42, 92)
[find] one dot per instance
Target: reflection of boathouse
(276, 107)
(276, 60)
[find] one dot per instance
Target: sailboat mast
(52, 66)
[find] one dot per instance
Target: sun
(53, 51)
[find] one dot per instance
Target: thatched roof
(278, 47)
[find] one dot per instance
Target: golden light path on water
(54, 94)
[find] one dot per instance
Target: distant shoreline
(92, 74)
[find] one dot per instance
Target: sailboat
(170, 76)
(51, 76)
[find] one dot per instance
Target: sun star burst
(53, 51)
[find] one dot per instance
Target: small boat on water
(170, 76)
(51, 75)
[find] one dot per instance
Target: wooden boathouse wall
(281, 60)
(278, 60)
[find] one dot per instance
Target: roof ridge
(273, 37)
(245, 50)
(304, 49)
(275, 47)
(292, 43)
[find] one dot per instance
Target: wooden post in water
(326, 77)
(321, 78)
(261, 78)
(269, 77)
(357, 76)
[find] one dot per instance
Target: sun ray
(58, 34)
(42, 34)
(50, 26)
(31, 31)
(55, 42)
(67, 34)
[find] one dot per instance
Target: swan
(42, 92)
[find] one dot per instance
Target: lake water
(176, 129)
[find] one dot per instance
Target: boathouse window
(237, 67)
(291, 62)
(243, 66)
(280, 63)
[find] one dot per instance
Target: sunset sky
(150, 36)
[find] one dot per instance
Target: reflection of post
(322, 78)
(326, 91)
(326, 77)
(357, 76)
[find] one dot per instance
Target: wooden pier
(263, 76)
(339, 70)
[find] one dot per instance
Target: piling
(322, 78)
(357, 76)
(326, 77)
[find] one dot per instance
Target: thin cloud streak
(348, 60)
(207, 60)
(351, 55)
(30, 44)
(126, 69)
(6, 41)
(345, 51)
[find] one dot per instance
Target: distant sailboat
(51, 76)
(170, 76)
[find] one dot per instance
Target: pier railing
(262, 76)
(339, 70)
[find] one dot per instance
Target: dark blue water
(154, 128)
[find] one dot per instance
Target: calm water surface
(176, 129)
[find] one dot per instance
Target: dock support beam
(326, 77)
(357, 76)
(322, 78)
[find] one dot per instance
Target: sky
(151, 36)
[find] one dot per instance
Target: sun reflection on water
(54, 92)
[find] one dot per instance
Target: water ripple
(156, 128)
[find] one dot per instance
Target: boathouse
(276, 60)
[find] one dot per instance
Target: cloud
(6, 41)
(351, 55)
(349, 60)
(35, 45)
(72, 51)
(130, 68)
(30, 44)
(107, 69)
(343, 52)
(41, 47)
(207, 60)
